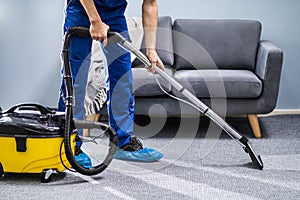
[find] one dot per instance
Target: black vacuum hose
(69, 123)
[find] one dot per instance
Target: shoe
(133, 145)
(81, 158)
(134, 151)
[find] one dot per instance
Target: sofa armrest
(269, 60)
(268, 69)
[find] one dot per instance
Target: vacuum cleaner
(115, 37)
(31, 141)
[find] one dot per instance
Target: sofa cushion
(220, 83)
(164, 42)
(145, 83)
(223, 43)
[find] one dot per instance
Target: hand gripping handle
(113, 37)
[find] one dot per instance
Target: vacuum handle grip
(32, 107)
(81, 31)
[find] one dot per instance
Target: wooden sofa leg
(254, 125)
(94, 118)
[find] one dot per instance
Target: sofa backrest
(228, 43)
(164, 42)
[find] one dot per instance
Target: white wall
(30, 38)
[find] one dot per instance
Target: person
(101, 16)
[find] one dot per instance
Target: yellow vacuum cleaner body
(21, 154)
(32, 141)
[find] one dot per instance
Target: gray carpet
(196, 165)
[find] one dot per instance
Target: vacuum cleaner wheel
(46, 176)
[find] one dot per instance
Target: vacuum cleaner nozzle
(256, 159)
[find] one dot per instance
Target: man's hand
(154, 59)
(98, 31)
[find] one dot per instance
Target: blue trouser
(119, 82)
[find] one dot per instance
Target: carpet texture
(201, 164)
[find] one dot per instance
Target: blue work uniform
(119, 82)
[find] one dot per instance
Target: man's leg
(120, 101)
(80, 49)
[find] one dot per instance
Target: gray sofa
(223, 62)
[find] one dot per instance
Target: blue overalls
(119, 82)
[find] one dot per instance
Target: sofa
(223, 62)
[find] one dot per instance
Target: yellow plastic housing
(41, 154)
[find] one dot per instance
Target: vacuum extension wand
(114, 37)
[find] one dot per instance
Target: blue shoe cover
(83, 160)
(143, 155)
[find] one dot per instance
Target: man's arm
(98, 29)
(150, 18)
